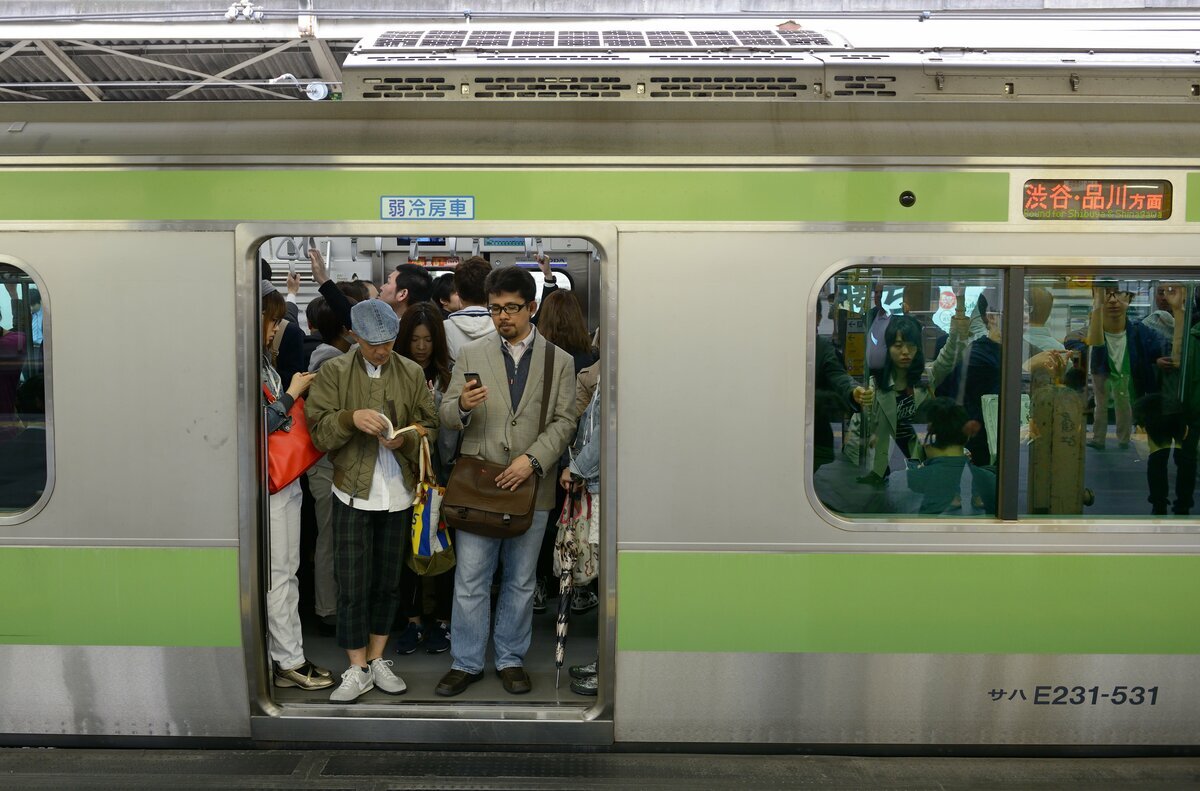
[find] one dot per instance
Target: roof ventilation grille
(864, 85)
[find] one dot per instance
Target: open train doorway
(438, 288)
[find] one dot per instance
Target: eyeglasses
(510, 308)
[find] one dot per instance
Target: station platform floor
(232, 770)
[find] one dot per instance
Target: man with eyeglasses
(1124, 357)
(499, 415)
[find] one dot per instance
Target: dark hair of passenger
(310, 312)
(443, 289)
(426, 314)
(981, 307)
(264, 269)
(35, 299)
(469, 279)
(328, 323)
(355, 289)
(274, 307)
(909, 329)
(511, 280)
(946, 419)
(417, 280)
(561, 322)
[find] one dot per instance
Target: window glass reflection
(1112, 387)
(908, 375)
(22, 392)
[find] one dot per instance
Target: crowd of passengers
(1148, 369)
(400, 352)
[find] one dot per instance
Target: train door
(118, 492)
(570, 635)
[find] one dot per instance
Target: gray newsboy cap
(374, 321)
(265, 287)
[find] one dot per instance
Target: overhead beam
(326, 62)
(14, 49)
(69, 68)
(233, 69)
(206, 77)
(23, 94)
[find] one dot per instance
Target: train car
(731, 197)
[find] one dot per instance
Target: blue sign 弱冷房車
(427, 207)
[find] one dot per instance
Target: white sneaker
(355, 681)
(385, 679)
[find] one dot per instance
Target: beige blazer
(499, 431)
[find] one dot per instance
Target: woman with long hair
(422, 339)
(901, 387)
(283, 597)
(561, 321)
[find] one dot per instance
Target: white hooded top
(466, 325)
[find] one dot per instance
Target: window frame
(20, 517)
(1013, 272)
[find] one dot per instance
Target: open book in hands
(391, 432)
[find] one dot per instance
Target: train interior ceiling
(575, 263)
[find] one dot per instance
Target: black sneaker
(412, 636)
(437, 638)
(585, 686)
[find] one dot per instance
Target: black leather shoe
(515, 680)
(456, 682)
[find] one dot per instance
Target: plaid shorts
(368, 560)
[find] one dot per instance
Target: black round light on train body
(908, 199)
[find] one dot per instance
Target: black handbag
(475, 504)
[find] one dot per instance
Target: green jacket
(343, 386)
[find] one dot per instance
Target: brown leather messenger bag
(475, 504)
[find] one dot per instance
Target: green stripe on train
(599, 195)
(914, 603)
(1193, 197)
(119, 596)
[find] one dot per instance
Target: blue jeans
(476, 558)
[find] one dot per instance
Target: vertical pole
(1011, 384)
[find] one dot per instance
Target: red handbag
(290, 451)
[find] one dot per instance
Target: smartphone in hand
(472, 379)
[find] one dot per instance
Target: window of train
(1111, 395)
(908, 378)
(23, 416)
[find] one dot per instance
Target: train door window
(907, 383)
(24, 444)
(419, 643)
(1111, 392)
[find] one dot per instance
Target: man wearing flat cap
(373, 485)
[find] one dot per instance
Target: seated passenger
(901, 388)
(940, 478)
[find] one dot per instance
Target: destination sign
(1097, 199)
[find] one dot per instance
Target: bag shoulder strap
(277, 340)
(546, 374)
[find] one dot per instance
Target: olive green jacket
(343, 386)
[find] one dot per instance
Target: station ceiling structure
(281, 50)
